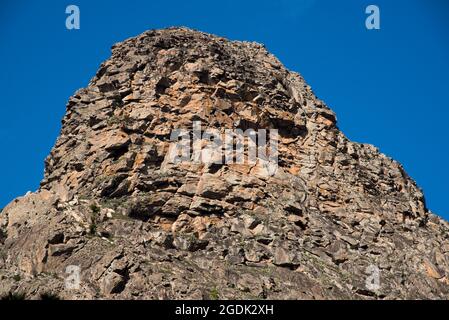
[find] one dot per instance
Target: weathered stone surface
(140, 227)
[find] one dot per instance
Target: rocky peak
(163, 80)
(138, 225)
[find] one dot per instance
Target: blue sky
(389, 87)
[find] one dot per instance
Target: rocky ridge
(140, 227)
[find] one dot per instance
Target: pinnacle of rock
(137, 225)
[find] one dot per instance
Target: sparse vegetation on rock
(140, 227)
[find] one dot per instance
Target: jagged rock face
(139, 226)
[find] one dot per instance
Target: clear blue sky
(388, 87)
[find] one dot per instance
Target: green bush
(93, 229)
(95, 209)
(93, 225)
(49, 296)
(13, 296)
(3, 234)
(213, 294)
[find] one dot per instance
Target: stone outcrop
(335, 214)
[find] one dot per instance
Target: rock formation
(338, 219)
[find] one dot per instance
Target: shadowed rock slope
(140, 227)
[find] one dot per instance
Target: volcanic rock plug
(115, 218)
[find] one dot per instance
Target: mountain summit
(135, 204)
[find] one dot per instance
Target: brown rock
(138, 226)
